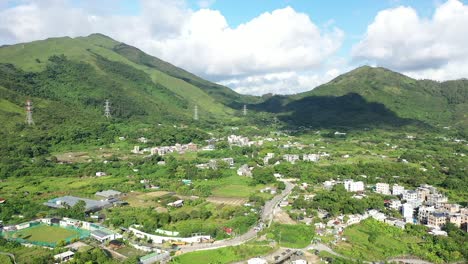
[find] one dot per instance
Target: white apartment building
(311, 157)
(407, 211)
(382, 188)
(352, 186)
(410, 195)
(398, 189)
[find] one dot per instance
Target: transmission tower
(195, 113)
(244, 111)
(29, 111)
(107, 112)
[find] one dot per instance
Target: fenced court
(46, 235)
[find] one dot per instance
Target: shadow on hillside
(347, 111)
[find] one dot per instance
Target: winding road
(267, 217)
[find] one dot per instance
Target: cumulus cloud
(201, 41)
(435, 48)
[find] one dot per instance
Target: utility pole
(29, 111)
(245, 110)
(107, 111)
(195, 113)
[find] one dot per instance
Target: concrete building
(382, 188)
(437, 219)
(64, 257)
(158, 256)
(407, 211)
(397, 189)
(436, 199)
(410, 195)
(291, 158)
(178, 203)
(244, 170)
(257, 261)
(352, 186)
(311, 157)
(424, 212)
(109, 194)
(395, 204)
(70, 201)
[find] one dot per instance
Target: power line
(107, 111)
(195, 113)
(29, 111)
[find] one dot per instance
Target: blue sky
(260, 46)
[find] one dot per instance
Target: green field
(293, 236)
(232, 187)
(372, 240)
(5, 259)
(48, 234)
(223, 255)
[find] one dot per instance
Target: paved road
(266, 217)
(10, 255)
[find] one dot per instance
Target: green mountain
(368, 96)
(78, 74)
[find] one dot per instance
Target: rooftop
(108, 193)
(91, 205)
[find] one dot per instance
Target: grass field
(232, 187)
(223, 255)
(372, 240)
(48, 234)
(293, 236)
(5, 259)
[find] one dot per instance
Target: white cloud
(435, 48)
(200, 41)
(289, 82)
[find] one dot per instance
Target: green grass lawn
(5, 259)
(232, 187)
(293, 236)
(131, 252)
(223, 255)
(372, 240)
(48, 234)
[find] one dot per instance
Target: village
(279, 197)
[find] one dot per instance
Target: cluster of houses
(241, 141)
(423, 205)
(163, 150)
(426, 206)
(214, 163)
(292, 158)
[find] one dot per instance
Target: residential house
(178, 203)
(109, 194)
(382, 188)
(291, 158)
(352, 186)
(64, 257)
(437, 219)
(407, 210)
(244, 170)
(311, 157)
(424, 212)
(397, 189)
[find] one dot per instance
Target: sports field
(48, 234)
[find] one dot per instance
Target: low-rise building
(70, 201)
(382, 188)
(352, 186)
(395, 204)
(109, 194)
(410, 195)
(407, 210)
(397, 189)
(437, 219)
(64, 257)
(311, 157)
(178, 203)
(244, 170)
(291, 158)
(424, 212)
(156, 257)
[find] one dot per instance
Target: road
(266, 217)
(10, 255)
